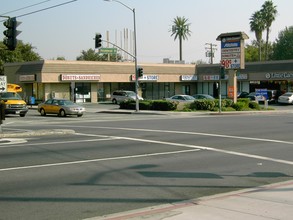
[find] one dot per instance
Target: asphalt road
(119, 162)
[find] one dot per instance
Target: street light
(135, 52)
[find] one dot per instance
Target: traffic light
(222, 72)
(10, 40)
(98, 40)
(140, 72)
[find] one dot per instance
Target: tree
(257, 25)
(283, 47)
(91, 55)
(22, 53)
(180, 29)
(268, 13)
(252, 51)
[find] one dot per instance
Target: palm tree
(257, 25)
(269, 13)
(180, 29)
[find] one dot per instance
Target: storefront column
(94, 93)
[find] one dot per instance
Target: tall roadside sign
(232, 57)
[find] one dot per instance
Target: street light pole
(135, 52)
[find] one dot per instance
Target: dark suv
(273, 96)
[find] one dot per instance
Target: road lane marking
(6, 142)
(203, 148)
(105, 138)
(193, 133)
(98, 160)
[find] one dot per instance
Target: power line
(29, 6)
(44, 9)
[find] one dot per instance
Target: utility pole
(210, 51)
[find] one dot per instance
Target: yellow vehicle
(14, 104)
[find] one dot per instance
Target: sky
(67, 30)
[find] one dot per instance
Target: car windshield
(10, 95)
(288, 94)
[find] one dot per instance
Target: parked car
(181, 98)
(122, 95)
(61, 107)
(286, 98)
(242, 94)
(203, 96)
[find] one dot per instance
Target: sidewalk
(261, 203)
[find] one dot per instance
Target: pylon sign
(232, 50)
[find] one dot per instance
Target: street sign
(3, 83)
(108, 50)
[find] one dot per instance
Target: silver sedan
(181, 98)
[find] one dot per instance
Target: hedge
(243, 104)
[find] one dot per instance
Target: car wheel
(22, 115)
(79, 115)
(43, 113)
(114, 101)
(62, 113)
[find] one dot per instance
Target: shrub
(163, 105)
(240, 106)
(203, 104)
(254, 105)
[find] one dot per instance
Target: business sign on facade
(146, 78)
(188, 78)
(286, 75)
(27, 78)
(80, 77)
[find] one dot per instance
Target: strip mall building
(87, 81)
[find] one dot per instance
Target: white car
(286, 98)
(122, 95)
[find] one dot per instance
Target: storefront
(84, 81)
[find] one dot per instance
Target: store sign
(80, 77)
(27, 78)
(279, 75)
(217, 77)
(211, 77)
(146, 78)
(242, 76)
(188, 78)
